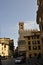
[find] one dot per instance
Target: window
(29, 47)
(33, 42)
(38, 42)
(37, 36)
(34, 47)
(39, 55)
(21, 42)
(34, 37)
(28, 42)
(39, 47)
(42, 28)
(21, 27)
(4, 46)
(35, 54)
(30, 56)
(2, 52)
(28, 38)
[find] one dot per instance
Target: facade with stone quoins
(29, 42)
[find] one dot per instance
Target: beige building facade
(29, 42)
(4, 46)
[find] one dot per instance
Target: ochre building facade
(4, 47)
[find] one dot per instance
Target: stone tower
(21, 27)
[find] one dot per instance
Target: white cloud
(31, 25)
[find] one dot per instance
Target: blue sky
(14, 11)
